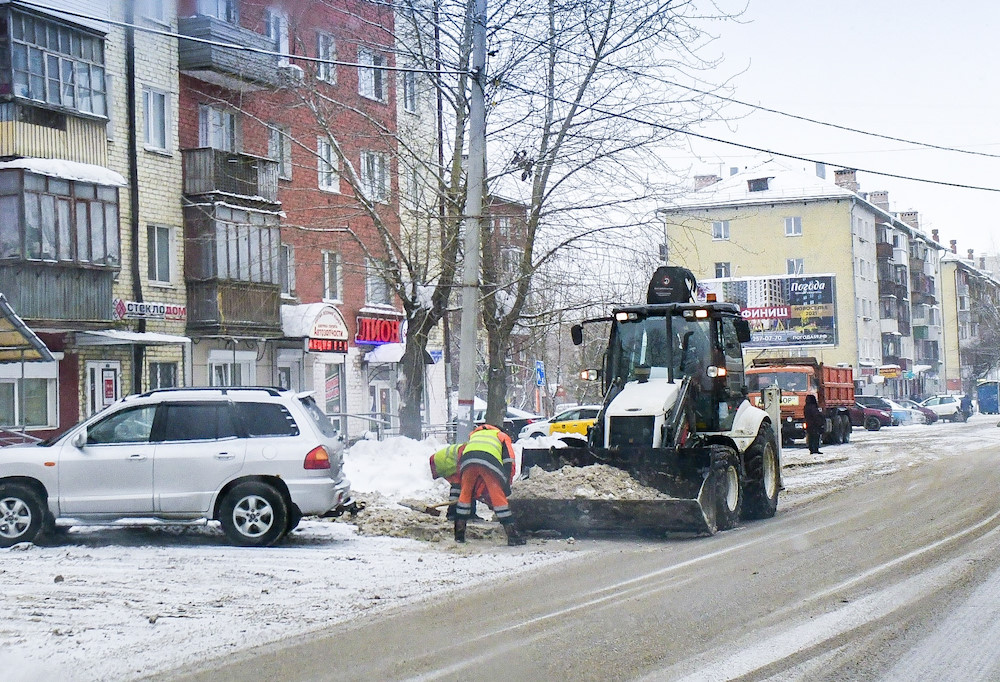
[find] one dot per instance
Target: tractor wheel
(847, 428)
(729, 487)
(763, 480)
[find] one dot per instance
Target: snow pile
(594, 482)
(396, 468)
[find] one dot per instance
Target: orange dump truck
(833, 387)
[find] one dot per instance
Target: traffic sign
(539, 373)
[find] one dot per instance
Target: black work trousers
(812, 439)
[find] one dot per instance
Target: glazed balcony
(241, 70)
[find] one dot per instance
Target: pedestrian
(486, 470)
(815, 422)
(444, 464)
(966, 406)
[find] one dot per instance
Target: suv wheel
(21, 514)
(254, 514)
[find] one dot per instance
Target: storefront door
(104, 384)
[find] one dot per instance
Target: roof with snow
(67, 170)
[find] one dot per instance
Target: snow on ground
(124, 603)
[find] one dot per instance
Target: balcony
(883, 250)
(234, 308)
(889, 325)
(240, 70)
(50, 292)
(208, 170)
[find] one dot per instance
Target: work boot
(451, 514)
(459, 530)
(514, 537)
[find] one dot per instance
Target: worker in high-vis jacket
(486, 470)
(444, 464)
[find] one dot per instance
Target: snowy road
(126, 604)
(878, 560)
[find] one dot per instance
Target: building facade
(772, 226)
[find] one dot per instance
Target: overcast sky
(911, 69)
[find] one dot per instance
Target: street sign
(539, 373)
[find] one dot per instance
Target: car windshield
(786, 381)
(643, 343)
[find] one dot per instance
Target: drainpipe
(138, 350)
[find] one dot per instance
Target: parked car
(929, 415)
(254, 459)
(905, 415)
(513, 422)
(878, 403)
(871, 418)
(574, 420)
(946, 407)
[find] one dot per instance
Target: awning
(118, 337)
(320, 320)
(391, 352)
(920, 369)
(67, 170)
(17, 342)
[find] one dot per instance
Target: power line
(243, 48)
(762, 150)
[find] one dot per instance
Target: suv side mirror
(576, 333)
(79, 439)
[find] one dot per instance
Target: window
(334, 399)
(326, 50)
(162, 375)
(159, 250)
(329, 180)
(232, 368)
(375, 176)
(266, 419)
(720, 229)
(413, 188)
(410, 91)
(279, 148)
(331, 275)
(501, 225)
(371, 78)
(63, 220)
(155, 10)
(216, 128)
(722, 270)
(198, 421)
(57, 65)
(126, 426)
(793, 226)
(758, 184)
(510, 263)
(377, 289)
(31, 402)
(220, 9)
(286, 268)
(155, 118)
(276, 26)
(794, 266)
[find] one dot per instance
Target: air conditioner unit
(291, 74)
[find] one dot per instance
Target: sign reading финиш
(785, 310)
(147, 310)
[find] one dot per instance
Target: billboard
(783, 310)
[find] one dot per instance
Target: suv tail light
(318, 458)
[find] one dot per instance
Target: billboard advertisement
(783, 310)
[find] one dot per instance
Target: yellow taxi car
(574, 420)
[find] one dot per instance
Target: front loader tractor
(675, 416)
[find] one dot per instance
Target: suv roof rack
(270, 390)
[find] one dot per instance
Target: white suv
(255, 459)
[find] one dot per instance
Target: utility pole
(467, 370)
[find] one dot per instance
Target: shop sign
(328, 333)
(889, 371)
(148, 310)
(375, 331)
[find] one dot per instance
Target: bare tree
(584, 103)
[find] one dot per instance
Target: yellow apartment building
(777, 226)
